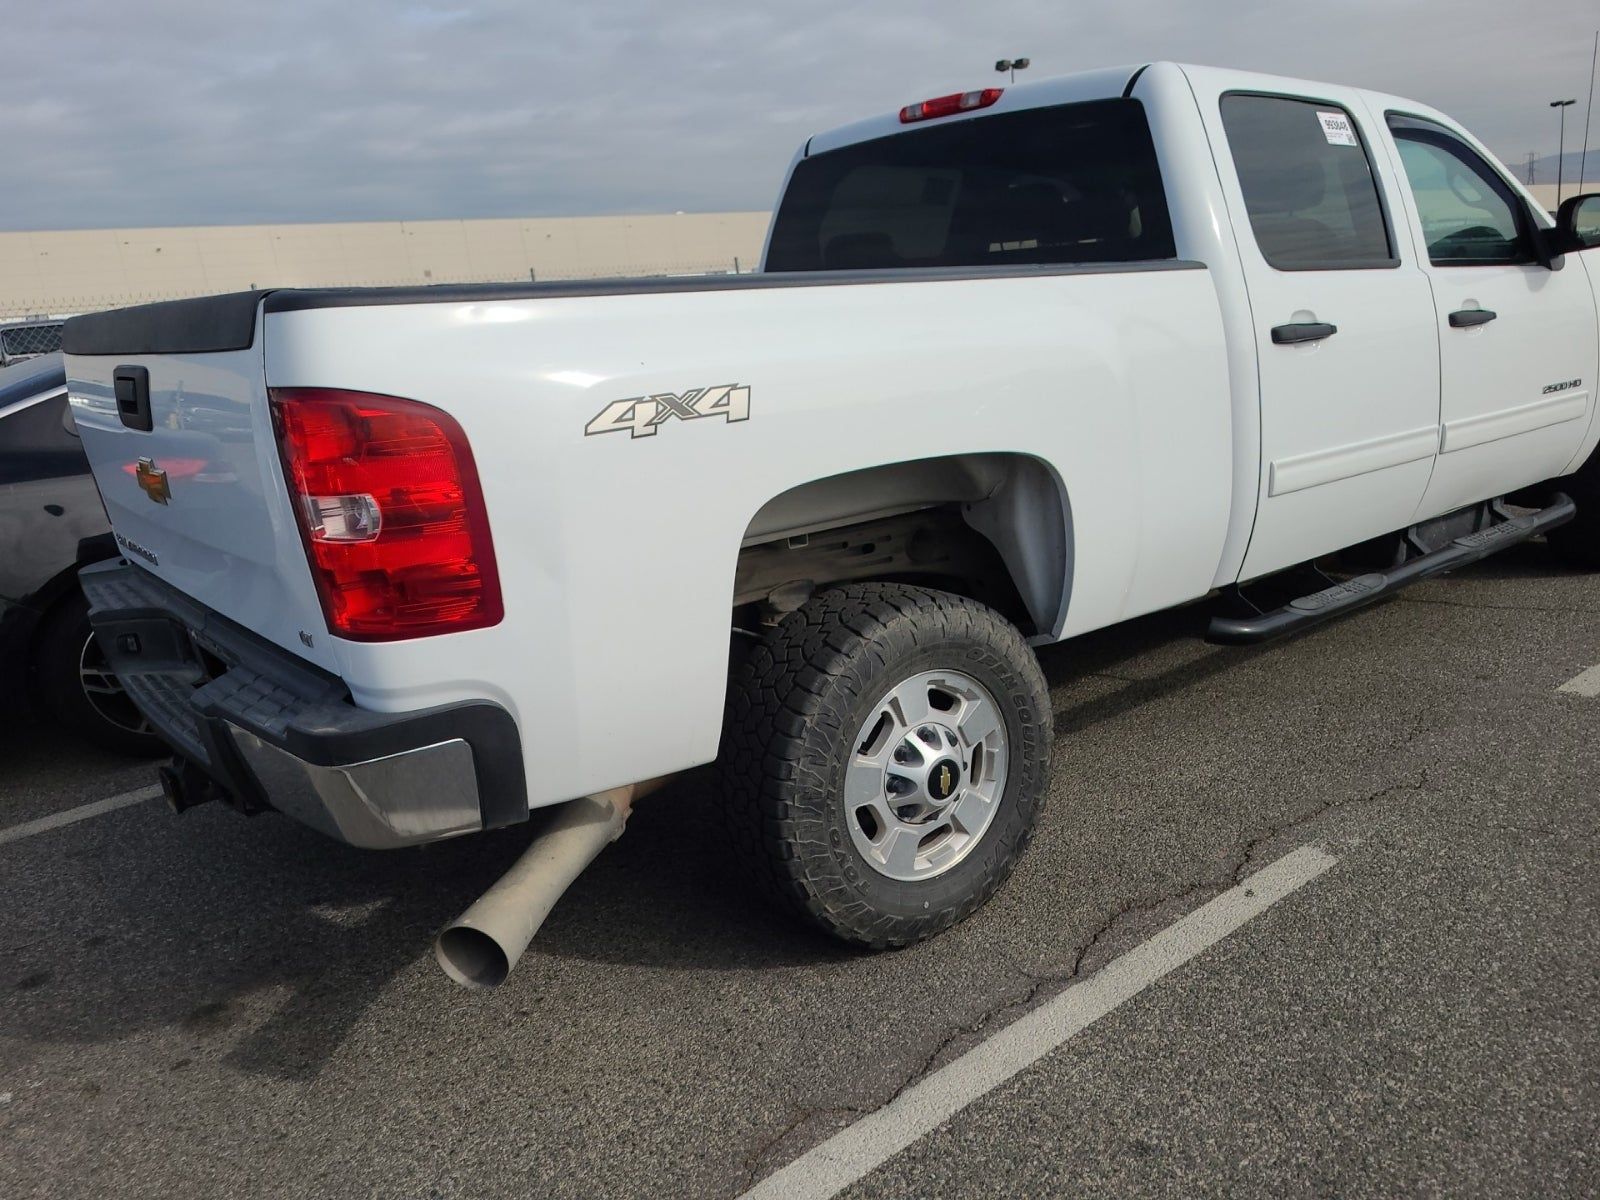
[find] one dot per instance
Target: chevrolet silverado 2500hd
(1021, 363)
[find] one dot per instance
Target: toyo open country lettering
(1031, 361)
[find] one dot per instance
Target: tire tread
(786, 685)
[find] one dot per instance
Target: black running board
(1366, 589)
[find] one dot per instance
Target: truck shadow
(661, 898)
(132, 922)
(1174, 640)
(283, 941)
(44, 769)
(1122, 655)
(200, 925)
(1526, 560)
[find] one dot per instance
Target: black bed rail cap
(218, 323)
(202, 325)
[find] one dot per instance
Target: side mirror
(1578, 222)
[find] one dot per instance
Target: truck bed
(617, 548)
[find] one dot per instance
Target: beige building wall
(1545, 193)
(77, 271)
(73, 271)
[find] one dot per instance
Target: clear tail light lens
(343, 518)
(391, 512)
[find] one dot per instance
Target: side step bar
(1356, 593)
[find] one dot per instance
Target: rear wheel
(884, 759)
(78, 688)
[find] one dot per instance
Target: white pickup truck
(1021, 363)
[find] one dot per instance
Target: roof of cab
(1101, 84)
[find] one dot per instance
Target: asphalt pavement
(217, 1006)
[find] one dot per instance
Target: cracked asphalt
(215, 1006)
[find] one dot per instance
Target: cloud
(178, 112)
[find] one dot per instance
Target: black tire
(796, 702)
(1578, 541)
(109, 721)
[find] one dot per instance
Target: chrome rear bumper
(401, 799)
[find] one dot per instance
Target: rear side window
(1308, 184)
(1077, 183)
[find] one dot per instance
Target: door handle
(1466, 318)
(1302, 331)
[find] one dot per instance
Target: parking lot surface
(209, 1005)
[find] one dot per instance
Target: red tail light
(948, 106)
(387, 498)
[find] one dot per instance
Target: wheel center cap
(943, 779)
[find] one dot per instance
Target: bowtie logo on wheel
(641, 416)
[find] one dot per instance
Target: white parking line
(851, 1153)
(1585, 683)
(82, 813)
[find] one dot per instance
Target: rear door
(1344, 328)
(1517, 339)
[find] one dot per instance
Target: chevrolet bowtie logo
(944, 780)
(152, 481)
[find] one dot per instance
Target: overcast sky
(183, 112)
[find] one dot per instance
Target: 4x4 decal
(641, 416)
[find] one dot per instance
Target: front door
(1345, 337)
(1517, 341)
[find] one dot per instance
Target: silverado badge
(152, 481)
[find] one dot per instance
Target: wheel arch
(1017, 503)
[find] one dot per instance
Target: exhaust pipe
(479, 948)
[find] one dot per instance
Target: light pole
(1013, 65)
(1588, 112)
(1561, 145)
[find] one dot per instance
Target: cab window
(1470, 216)
(1308, 185)
(1075, 183)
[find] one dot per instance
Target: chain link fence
(29, 340)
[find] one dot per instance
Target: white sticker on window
(1337, 129)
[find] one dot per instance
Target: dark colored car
(52, 523)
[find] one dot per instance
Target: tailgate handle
(1466, 318)
(132, 385)
(1302, 331)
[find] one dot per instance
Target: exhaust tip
(471, 957)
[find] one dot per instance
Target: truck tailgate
(196, 497)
